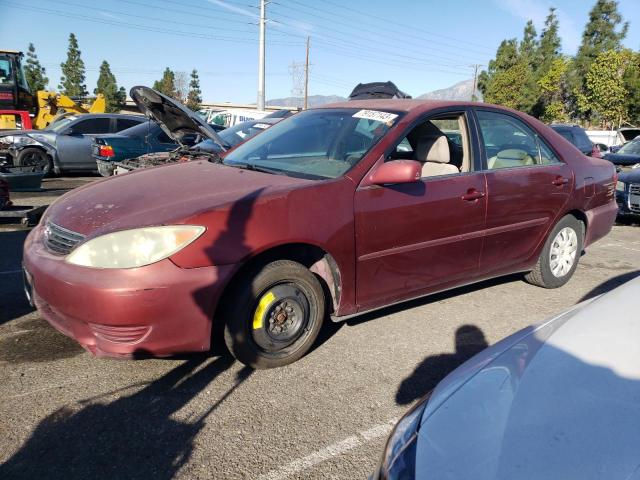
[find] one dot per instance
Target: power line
(376, 30)
(155, 19)
(138, 26)
(428, 57)
(404, 25)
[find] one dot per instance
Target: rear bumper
(160, 309)
(600, 221)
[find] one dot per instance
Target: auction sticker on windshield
(384, 117)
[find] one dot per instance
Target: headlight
(134, 248)
(620, 186)
(399, 460)
(24, 140)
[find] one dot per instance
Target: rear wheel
(560, 255)
(35, 158)
(274, 315)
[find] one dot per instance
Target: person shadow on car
(469, 340)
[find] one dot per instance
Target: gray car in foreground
(556, 401)
(65, 144)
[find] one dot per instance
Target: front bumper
(160, 309)
(624, 205)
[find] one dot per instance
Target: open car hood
(174, 118)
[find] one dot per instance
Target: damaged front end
(178, 122)
(163, 158)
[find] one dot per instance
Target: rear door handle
(559, 181)
(472, 195)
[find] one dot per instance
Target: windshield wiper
(257, 168)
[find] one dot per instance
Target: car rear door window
(92, 126)
(509, 142)
(124, 123)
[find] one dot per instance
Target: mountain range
(459, 91)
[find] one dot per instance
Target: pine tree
(600, 34)
(34, 72)
(549, 45)
(547, 58)
(529, 45)
(167, 84)
(73, 72)
(507, 81)
(194, 98)
(108, 86)
(604, 31)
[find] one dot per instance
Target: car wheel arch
(580, 216)
(315, 258)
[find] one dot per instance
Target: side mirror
(69, 131)
(396, 171)
(602, 147)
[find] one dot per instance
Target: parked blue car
(628, 193)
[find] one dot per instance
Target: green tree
(549, 45)
(632, 86)
(108, 86)
(167, 84)
(605, 95)
(506, 57)
(34, 72)
(604, 31)
(528, 48)
(194, 97)
(553, 91)
(73, 71)
(508, 80)
(506, 87)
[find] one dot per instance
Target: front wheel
(274, 315)
(559, 258)
(34, 158)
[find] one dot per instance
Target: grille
(60, 240)
(634, 197)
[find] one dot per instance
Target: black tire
(543, 275)
(273, 315)
(35, 158)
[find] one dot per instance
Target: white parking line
(333, 450)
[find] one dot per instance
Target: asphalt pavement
(65, 414)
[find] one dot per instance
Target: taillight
(106, 151)
(595, 152)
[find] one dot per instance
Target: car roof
(406, 105)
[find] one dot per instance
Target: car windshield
(237, 134)
(59, 125)
(631, 148)
(315, 144)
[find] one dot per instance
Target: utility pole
(261, 57)
(306, 77)
(475, 81)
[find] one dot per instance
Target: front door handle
(559, 181)
(472, 195)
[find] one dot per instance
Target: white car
(557, 401)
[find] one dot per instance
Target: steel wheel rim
(281, 318)
(563, 252)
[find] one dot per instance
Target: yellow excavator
(21, 108)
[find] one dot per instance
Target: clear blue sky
(421, 45)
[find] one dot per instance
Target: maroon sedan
(336, 210)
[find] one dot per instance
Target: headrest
(433, 148)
